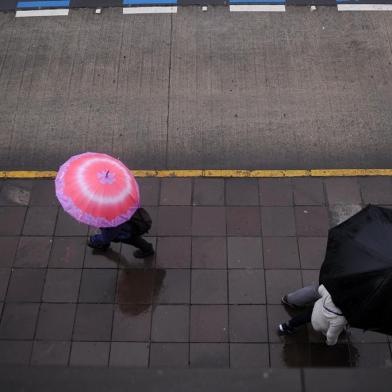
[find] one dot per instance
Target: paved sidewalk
(227, 250)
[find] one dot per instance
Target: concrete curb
(222, 173)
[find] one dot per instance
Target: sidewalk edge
(22, 174)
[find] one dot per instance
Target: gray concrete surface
(198, 89)
(17, 379)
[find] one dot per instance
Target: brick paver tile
(277, 221)
(55, 321)
(310, 277)
(176, 191)
(43, 193)
(245, 252)
(18, 321)
(276, 192)
(209, 355)
(249, 355)
(176, 287)
(15, 193)
(149, 191)
(370, 355)
(312, 251)
(174, 252)
(132, 323)
(11, 220)
(343, 191)
(67, 252)
(248, 323)
(209, 323)
(361, 336)
(209, 221)
(289, 355)
(5, 274)
(209, 252)
(90, 354)
(209, 287)
(98, 259)
(322, 355)
(341, 212)
(68, 226)
(98, 286)
(246, 287)
(308, 192)
(62, 285)
(33, 252)
(243, 221)
(281, 252)
(208, 191)
(8, 247)
(169, 355)
(40, 221)
(26, 285)
(50, 353)
(242, 192)
(93, 322)
(170, 323)
(15, 352)
(376, 190)
(311, 221)
(281, 282)
(129, 354)
(136, 286)
(174, 221)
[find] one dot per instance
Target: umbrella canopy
(357, 270)
(97, 189)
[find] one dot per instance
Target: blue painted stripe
(43, 4)
(257, 1)
(149, 2)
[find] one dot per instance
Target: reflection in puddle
(139, 287)
(319, 355)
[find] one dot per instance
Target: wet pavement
(198, 90)
(227, 250)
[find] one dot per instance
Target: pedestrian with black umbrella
(356, 276)
(325, 317)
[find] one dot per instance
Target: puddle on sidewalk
(139, 287)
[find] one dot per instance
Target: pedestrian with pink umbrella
(100, 191)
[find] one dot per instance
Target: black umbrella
(357, 270)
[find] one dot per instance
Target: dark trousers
(138, 242)
(301, 319)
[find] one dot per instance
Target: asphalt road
(197, 89)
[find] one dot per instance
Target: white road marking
(364, 7)
(55, 12)
(150, 10)
(257, 8)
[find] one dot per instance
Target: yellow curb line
(223, 173)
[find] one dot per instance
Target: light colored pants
(307, 295)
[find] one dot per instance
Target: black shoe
(139, 254)
(284, 329)
(103, 248)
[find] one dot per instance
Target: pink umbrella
(97, 189)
